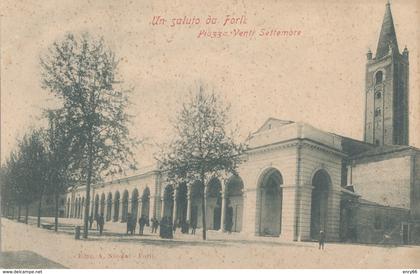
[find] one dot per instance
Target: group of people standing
(100, 222)
(132, 222)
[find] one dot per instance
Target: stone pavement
(115, 250)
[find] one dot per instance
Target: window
(378, 95)
(379, 77)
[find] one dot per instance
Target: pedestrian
(101, 223)
(184, 227)
(152, 220)
(174, 227)
(162, 227)
(321, 240)
(170, 234)
(156, 224)
(133, 225)
(97, 221)
(128, 223)
(90, 221)
(142, 223)
(193, 226)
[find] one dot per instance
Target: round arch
(96, 209)
(116, 206)
(108, 207)
(102, 208)
(214, 204)
(145, 205)
(269, 203)
(168, 201)
(134, 203)
(181, 205)
(124, 204)
(196, 201)
(234, 204)
(321, 183)
(82, 207)
(68, 207)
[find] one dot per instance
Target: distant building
(298, 180)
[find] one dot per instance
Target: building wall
(385, 181)
(379, 224)
(313, 160)
(415, 194)
(252, 172)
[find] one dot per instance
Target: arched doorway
(168, 202)
(181, 203)
(102, 211)
(214, 204)
(319, 204)
(124, 211)
(77, 208)
(234, 204)
(270, 199)
(68, 208)
(83, 207)
(109, 207)
(145, 205)
(116, 206)
(196, 202)
(134, 203)
(96, 210)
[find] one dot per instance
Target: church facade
(297, 180)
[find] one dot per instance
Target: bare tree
(82, 73)
(202, 149)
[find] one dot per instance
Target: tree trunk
(26, 213)
(56, 210)
(88, 181)
(203, 208)
(18, 217)
(39, 211)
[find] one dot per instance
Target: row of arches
(224, 206)
(75, 210)
(270, 203)
(224, 210)
(114, 207)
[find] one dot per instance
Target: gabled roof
(273, 123)
(387, 37)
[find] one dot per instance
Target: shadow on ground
(26, 259)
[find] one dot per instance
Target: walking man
(193, 227)
(142, 223)
(321, 240)
(90, 221)
(101, 223)
(129, 225)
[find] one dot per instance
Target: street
(117, 250)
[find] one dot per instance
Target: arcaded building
(297, 180)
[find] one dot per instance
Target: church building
(297, 180)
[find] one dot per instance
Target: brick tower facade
(386, 109)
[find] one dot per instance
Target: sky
(315, 77)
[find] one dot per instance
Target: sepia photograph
(226, 134)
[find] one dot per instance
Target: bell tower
(386, 94)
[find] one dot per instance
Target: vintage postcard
(210, 134)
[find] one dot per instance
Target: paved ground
(25, 259)
(116, 250)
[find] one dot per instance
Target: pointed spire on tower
(387, 38)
